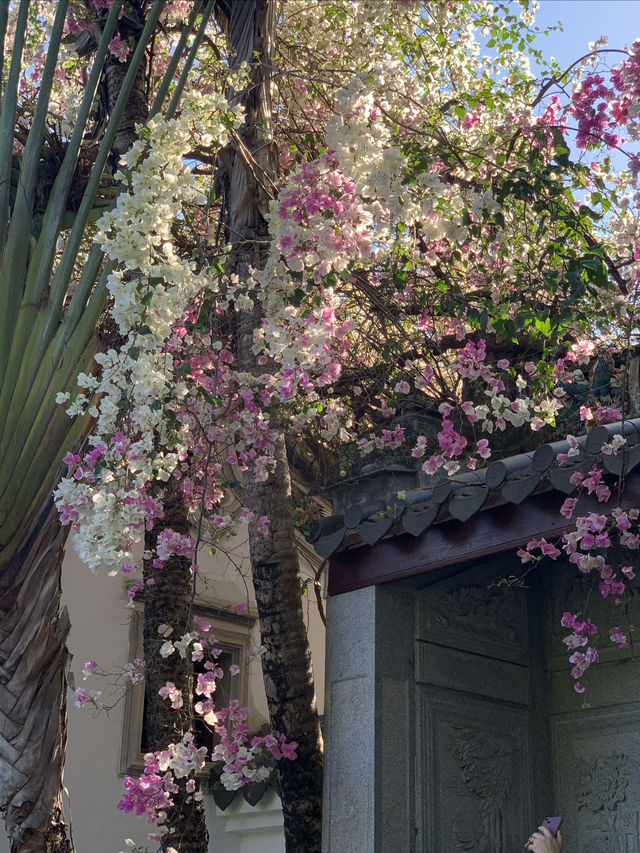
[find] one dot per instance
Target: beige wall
(100, 631)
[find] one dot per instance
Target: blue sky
(585, 21)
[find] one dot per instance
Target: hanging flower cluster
(243, 759)
(144, 428)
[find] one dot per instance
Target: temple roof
(388, 501)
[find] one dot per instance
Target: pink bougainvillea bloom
(483, 448)
(89, 667)
(119, 48)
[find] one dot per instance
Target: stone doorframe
(369, 749)
(379, 704)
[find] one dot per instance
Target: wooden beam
(501, 528)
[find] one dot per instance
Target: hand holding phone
(545, 839)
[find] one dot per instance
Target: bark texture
(167, 601)
(33, 665)
(129, 29)
(287, 670)
(286, 664)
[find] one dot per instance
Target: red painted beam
(501, 528)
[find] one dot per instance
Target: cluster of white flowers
(183, 758)
(152, 288)
(234, 779)
(137, 233)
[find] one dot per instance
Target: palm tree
(48, 319)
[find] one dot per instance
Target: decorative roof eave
(471, 514)
(500, 528)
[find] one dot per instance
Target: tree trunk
(129, 29)
(167, 601)
(286, 662)
(33, 665)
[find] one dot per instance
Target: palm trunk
(167, 600)
(286, 663)
(130, 27)
(33, 665)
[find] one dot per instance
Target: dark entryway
(502, 737)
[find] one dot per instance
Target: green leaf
(506, 328)
(586, 211)
(543, 326)
(298, 296)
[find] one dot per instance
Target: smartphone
(553, 824)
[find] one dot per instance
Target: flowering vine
(433, 252)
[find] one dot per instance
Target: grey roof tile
(518, 488)
(468, 496)
(326, 545)
(374, 529)
(622, 463)
(417, 518)
(497, 472)
(386, 501)
(560, 478)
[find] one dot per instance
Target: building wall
(100, 631)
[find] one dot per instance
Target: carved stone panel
(459, 670)
(616, 678)
(476, 614)
(474, 769)
(597, 769)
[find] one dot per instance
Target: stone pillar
(369, 741)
